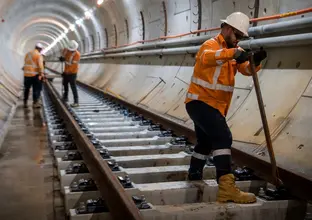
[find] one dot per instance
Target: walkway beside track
(28, 187)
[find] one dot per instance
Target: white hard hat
(39, 45)
(239, 21)
(73, 45)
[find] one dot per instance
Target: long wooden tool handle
(264, 121)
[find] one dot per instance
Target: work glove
(62, 59)
(240, 56)
(259, 56)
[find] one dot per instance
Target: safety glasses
(237, 34)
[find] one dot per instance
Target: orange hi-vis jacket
(72, 59)
(214, 73)
(33, 64)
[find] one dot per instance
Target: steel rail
(298, 185)
(119, 203)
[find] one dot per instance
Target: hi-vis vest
(71, 61)
(214, 73)
(33, 63)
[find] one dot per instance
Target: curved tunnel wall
(160, 83)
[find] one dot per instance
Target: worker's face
(233, 36)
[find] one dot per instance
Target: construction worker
(208, 100)
(71, 57)
(33, 73)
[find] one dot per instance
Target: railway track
(114, 163)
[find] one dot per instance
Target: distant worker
(33, 73)
(208, 101)
(42, 79)
(71, 57)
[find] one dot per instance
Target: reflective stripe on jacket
(214, 73)
(71, 61)
(33, 63)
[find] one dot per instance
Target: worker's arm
(76, 58)
(210, 56)
(62, 57)
(40, 65)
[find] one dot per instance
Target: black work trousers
(70, 79)
(213, 134)
(34, 83)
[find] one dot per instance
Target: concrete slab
(204, 211)
(111, 124)
(164, 174)
(125, 135)
(180, 158)
(100, 116)
(93, 107)
(134, 141)
(106, 216)
(96, 111)
(119, 129)
(104, 120)
(145, 150)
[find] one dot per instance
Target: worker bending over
(33, 73)
(71, 57)
(208, 101)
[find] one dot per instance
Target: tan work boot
(228, 191)
(74, 105)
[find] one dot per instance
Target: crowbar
(277, 181)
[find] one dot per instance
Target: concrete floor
(28, 187)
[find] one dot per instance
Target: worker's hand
(41, 76)
(259, 56)
(240, 56)
(62, 59)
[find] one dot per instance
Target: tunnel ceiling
(51, 21)
(31, 21)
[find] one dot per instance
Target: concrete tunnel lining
(158, 84)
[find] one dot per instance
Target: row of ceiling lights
(72, 27)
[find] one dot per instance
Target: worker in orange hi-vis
(71, 57)
(208, 101)
(33, 73)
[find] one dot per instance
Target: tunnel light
(79, 22)
(88, 14)
(59, 38)
(99, 2)
(66, 31)
(72, 27)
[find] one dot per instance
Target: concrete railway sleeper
(150, 163)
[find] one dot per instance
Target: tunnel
(143, 52)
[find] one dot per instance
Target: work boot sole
(236, 201)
